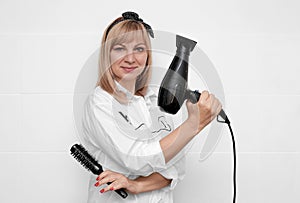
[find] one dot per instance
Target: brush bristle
(85, 159)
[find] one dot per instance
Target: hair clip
(129, 15)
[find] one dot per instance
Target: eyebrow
(142, 43)
(121, 44)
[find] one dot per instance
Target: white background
(254, 45)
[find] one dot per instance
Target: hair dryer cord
(234, 156)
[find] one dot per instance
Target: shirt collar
(128, 94)
(131, 96)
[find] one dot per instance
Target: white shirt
(125, 138)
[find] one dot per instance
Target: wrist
(133, 186)
(192, 126)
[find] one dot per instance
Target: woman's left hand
(117, 181)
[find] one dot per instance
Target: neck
(129, 85)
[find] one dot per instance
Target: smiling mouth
(128, 69)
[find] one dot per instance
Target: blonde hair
(124, 31)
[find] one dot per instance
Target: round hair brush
(87, 161)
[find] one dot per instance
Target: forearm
(208, 107)
(176, 140)
(155, 181)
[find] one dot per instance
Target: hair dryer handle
(194, 96)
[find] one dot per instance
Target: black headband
(131, 16)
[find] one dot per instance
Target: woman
(124, 129)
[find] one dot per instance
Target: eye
(118, 48)
(140, 49)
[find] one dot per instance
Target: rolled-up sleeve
(175, 173)
(137, 156)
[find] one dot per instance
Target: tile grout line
(25, 152)
(215, 33)
(249, 153)
(229, 95)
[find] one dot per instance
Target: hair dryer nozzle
(185, 44)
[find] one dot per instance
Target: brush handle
(121, 192)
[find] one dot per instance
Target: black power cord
(234, 155)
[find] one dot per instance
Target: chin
(132, 75)
(129, 77)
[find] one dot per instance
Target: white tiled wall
(254, 46)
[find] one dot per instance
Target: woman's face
(128, 59)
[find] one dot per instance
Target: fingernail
(97, 178)
(102, 190)
(111, 188)
(97, 184)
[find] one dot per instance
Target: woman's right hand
(155, 181)
(203, 112)
(117, 181)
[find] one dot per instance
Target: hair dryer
(173, 90)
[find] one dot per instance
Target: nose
(130, 58)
